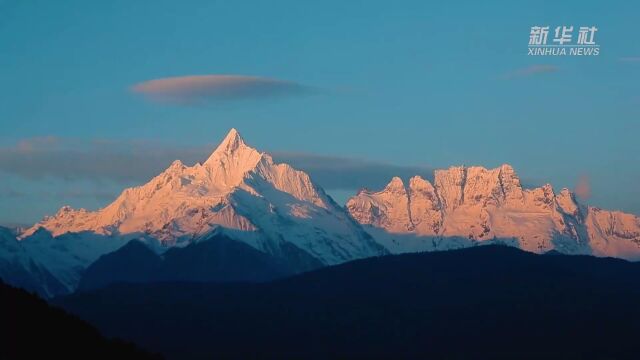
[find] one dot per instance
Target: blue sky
(401, 85)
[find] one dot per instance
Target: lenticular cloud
(207, 88)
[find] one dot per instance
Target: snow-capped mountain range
(238, 191)
(470, 205)
(243, 194)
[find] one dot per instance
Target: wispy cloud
(137, 161)
(531, 71)
(583, 188)
(64, 194)
(72, 159)
(344, 173)
(199, 89)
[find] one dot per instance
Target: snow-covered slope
(19, 268)
(237, 190)
(469, 205)
(242, 193)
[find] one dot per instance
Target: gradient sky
(408, 84)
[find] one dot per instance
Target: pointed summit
(395, 185)
(233, 147)
(232, 142)
(418, 182)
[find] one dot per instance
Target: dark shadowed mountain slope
(18, 268)
(32, 329)
(218, 259)
(481, 303)
(134, 263)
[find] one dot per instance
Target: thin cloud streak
(200, 89)
(70, 159)
(129, 162)
(59, 195)
(343, 173)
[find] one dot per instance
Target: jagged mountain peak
(177, 164)
(471, 204)
(419, 183)
(232, 146)
(460, 186)
(238, 191)
(166, 202)
(227, 166)
(565, 192)
(567, 202)
(504, 168)
(231, 143)
(396, 184)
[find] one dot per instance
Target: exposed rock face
(467, 205)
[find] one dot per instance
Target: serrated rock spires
(470, 205)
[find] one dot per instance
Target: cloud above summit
(201, 89)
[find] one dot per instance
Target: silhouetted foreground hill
(32, 329)
(218, 259)
(479, 303)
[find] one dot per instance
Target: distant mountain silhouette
(218, 259)
(32, 329)
(134, 262)
(485, 302)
